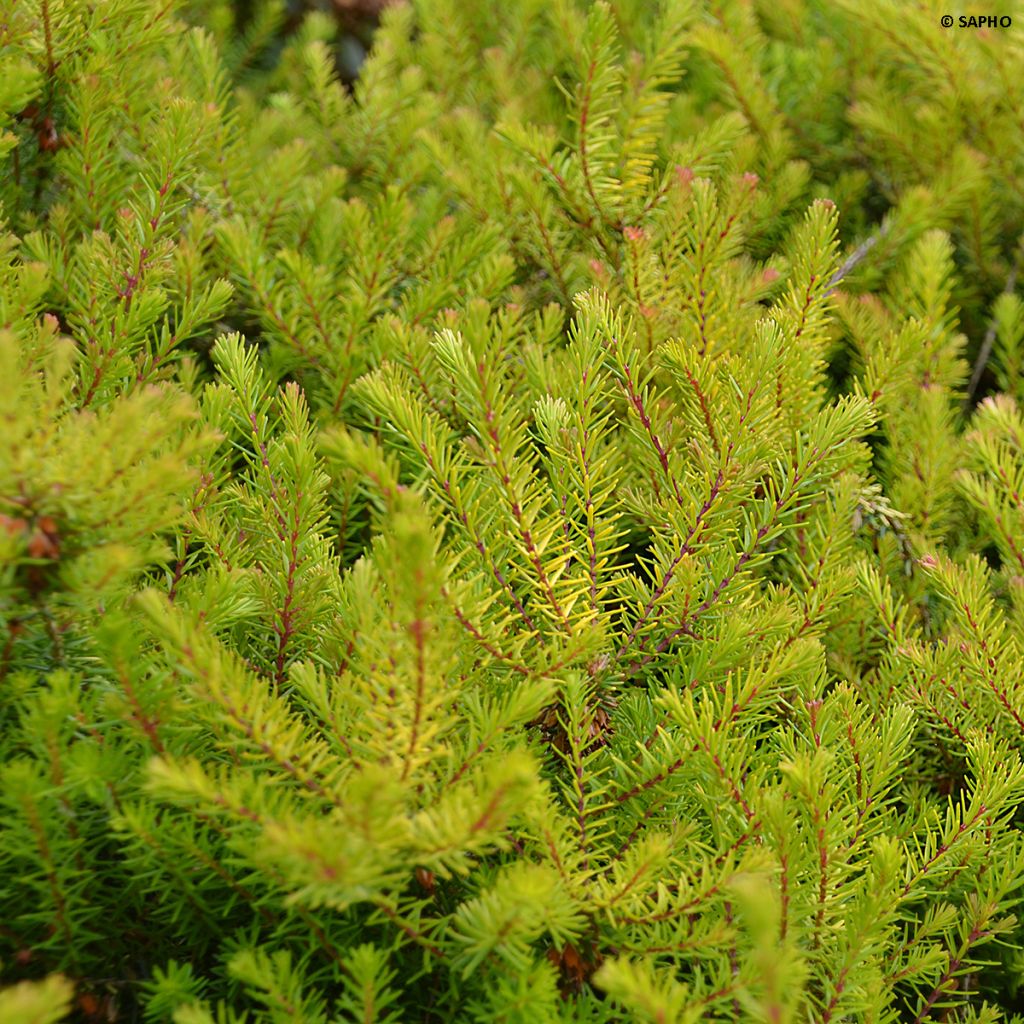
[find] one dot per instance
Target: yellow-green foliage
(535, 535)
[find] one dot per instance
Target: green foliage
(39, 1002)
(519, 539)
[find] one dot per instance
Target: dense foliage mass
(534, 536)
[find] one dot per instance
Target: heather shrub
(531, 533)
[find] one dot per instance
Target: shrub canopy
(532, 535)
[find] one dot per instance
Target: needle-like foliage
(533, 535)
